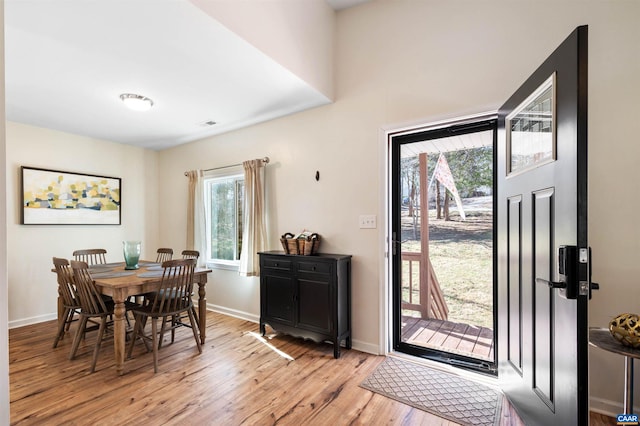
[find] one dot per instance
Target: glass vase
(131, 254)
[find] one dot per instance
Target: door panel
(279, 293)
(542, 205)
(314, 302)
(543, 296)
(514, 286)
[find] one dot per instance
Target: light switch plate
(368, 221)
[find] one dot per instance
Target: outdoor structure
(430, 303)
(425, 295)
(422, 292)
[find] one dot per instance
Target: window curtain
(254, 235)
(196, 215)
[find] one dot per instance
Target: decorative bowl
(625, 328)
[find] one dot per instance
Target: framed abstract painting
(54, 197)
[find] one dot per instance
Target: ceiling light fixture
(136, 102)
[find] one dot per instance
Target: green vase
(131, 253)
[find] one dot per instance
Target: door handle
(551, 284)
(396, 243)
(574, 267)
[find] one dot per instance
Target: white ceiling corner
(67, 62)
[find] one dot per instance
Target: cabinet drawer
(317, 267)
(276, 263)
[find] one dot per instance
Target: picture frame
(531, 130)
(56, 197)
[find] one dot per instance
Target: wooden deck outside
(463, 339)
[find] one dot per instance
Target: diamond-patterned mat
(446, 395)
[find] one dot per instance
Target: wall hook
(317, 175)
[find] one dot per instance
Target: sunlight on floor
(259, 338)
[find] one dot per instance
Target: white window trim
(225, 172)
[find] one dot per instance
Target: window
(223, 199)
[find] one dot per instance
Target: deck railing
(424, 294)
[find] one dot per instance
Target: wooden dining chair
(67, 292)
(172, 299)
(164, 254)
(179, 320)
(91, 256)
(92, 307)
(190, 254)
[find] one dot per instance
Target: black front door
(542, 216)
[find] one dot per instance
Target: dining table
(112, 279)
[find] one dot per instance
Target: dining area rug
(443, 394)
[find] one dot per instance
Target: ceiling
(447, 144)
(67, 62)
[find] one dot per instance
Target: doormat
(445, 395)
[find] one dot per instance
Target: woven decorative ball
(625, 328)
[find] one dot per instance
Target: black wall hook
(317, 175)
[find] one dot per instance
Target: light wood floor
(238, 379)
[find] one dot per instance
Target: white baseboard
(33, 320)
(234, 313)
(365, 347)
(605, 406)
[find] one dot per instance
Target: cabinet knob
(313, 269)
(275, 264)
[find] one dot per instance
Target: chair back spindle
(190, 254)
(164, 254)
(91, 256)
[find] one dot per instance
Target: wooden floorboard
(459, 338)
(240, 378)
(484, 344)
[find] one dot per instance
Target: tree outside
(226, 213)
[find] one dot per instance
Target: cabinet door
(278, 293)
(314, 304)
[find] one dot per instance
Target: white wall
(32, 285)
(409, 61)
(4, 305)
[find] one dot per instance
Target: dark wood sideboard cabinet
(307, 296)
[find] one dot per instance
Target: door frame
(386, 268)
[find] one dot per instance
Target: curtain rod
(265, 160)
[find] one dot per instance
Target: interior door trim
(385, 343)
(395, 142)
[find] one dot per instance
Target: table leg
(202, 311)
(628, 385)
(119, 330)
